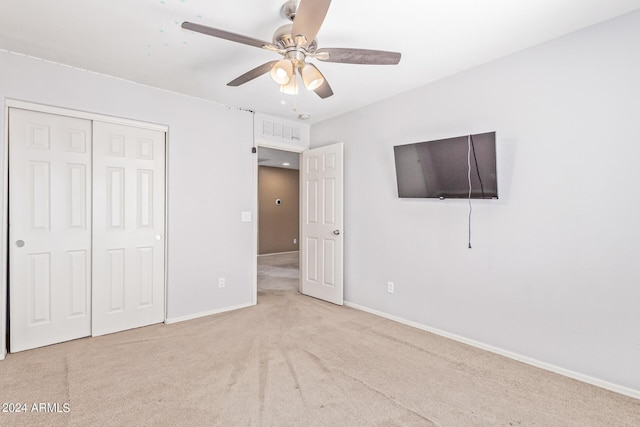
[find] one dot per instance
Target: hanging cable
(473, 148)
(469, 180)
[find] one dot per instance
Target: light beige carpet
(294, 361)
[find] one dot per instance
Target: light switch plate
(246, 216)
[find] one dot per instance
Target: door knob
(158, 237)
(336, 232)
(19, 243)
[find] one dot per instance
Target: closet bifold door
(128, 227)
(49, 228)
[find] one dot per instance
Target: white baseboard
(520, 358)
(206, 313)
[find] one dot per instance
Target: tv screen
(447, 168)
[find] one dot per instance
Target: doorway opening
(321, 220)
(278, 268)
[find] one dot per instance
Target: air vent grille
(272, 129)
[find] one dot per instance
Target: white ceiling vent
(274, 131)
(267, 128)
(277, 130)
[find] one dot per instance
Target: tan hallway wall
(278, 224)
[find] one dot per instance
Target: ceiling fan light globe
(281, 76)
(314, 84)
(311, 77)
(290, 88)
(282, 71)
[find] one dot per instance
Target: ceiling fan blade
(324, 91)
(309, 18)
(221, 34)
(250, 75)
(358, 56)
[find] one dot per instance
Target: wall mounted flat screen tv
(447, 168)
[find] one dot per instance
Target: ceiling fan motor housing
(282, 38)
(296, 57)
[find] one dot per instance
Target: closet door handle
(19, 243)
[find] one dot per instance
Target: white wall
(554, 273)
(210, 172)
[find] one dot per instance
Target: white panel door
(49, 228)
(128, 209)
(322, 221)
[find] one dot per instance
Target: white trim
(254, 243)
(515, 356)
(279, 145)
(42, 108)
(166, 224)
(4, 218)
(206, 313)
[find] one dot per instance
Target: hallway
(279, 272)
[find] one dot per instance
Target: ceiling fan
(296, 43)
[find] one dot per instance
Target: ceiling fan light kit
(311, 76)
(290, 88)
(296, 42)
(282, 71)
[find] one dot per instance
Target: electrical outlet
(390, 287)
(221, 282)
(295, 241)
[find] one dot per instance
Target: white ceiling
(142, 41)
(278, 158)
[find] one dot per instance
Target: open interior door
(321, 223)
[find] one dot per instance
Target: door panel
(322, 223)
(80, 280)
(59, 284)
(49, 228)
(128, 203)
